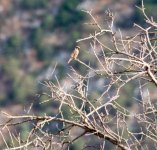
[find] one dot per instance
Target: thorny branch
(103, 117)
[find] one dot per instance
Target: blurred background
(37, 36)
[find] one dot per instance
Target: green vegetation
(22, 84)
(14, 45)
(150, 2)
(34, 4)
(68, 14)
(48, 22)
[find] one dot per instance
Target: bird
(74, 54)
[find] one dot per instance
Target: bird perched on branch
(74, 54)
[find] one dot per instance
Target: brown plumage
(74, 54)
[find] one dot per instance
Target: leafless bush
(101, 118)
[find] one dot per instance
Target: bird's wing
(73, 54)
(76, 53)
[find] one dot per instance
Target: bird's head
(78, 47)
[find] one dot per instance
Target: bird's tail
(69, 60)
